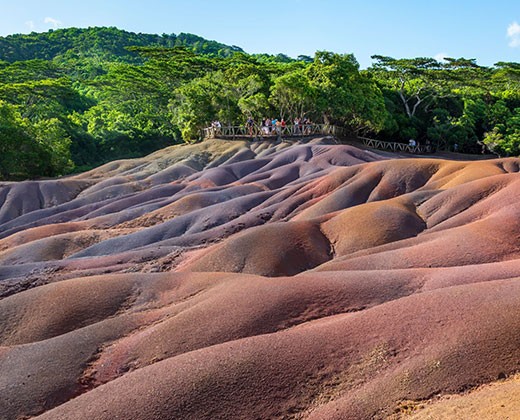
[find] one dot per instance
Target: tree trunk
(419, 100)
(405, 103)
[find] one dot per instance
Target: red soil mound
(278, 249)
(348, 366)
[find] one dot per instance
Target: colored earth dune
(228, 280)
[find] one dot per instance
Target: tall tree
(293, 95)
(412, 79)
(344, 95)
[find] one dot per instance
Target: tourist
(306, 126)
(296, 126)
(250, 124)
(265, 126)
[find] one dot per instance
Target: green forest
(71, 99)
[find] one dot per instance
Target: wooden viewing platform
(259, 132)
(290, 131)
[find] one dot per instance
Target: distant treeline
(73, 98)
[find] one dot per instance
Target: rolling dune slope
(262, 280)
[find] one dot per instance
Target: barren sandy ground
(499, 400)
(227, 280)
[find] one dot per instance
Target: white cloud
(55, 23)
(441, 57)
(513, 33)
(30, 24)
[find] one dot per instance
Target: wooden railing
(396, 147)
(307, 130)
(261, 132)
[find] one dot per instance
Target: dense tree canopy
(454, 104)
(75, 98)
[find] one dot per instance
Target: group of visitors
(302, 126)
(275, 126)
(266, 127)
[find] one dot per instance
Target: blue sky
(486, 30)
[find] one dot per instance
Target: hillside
(235, 279)
(73, 99)
(104, 43)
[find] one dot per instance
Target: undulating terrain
(226, 280)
